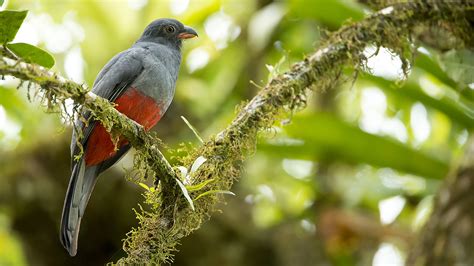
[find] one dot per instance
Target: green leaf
(289, 150)
(332, 13)
(435, 66)
(326, 135)
(146, 187)
(454, 105)
(10, 22)
(16, 107)
(459, 65)
(215, 192)
(1, 2)
(199, 186)
(426, 63)
(32, 54)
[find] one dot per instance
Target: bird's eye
(170, 29)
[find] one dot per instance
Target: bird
(141, 82)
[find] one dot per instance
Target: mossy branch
(170, 217)
(438, 33)
(392, 27)
(57, 89)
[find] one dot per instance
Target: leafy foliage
(326, 136)
(10, 22)
(32, 54)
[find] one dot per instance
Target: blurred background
(349, 181)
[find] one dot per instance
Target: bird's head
(167, 31)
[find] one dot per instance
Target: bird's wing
(113, 80)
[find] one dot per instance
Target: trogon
(141, 82)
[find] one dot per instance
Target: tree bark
(448, 236)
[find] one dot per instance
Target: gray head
(167, 31)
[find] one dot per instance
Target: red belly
(137, 106)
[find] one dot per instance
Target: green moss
(285, 94)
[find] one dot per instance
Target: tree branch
(57, 89)
(442, 34)
(170, 217)
(391, 28)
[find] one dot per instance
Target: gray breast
(160, 71)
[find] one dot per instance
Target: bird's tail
(78, 193)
